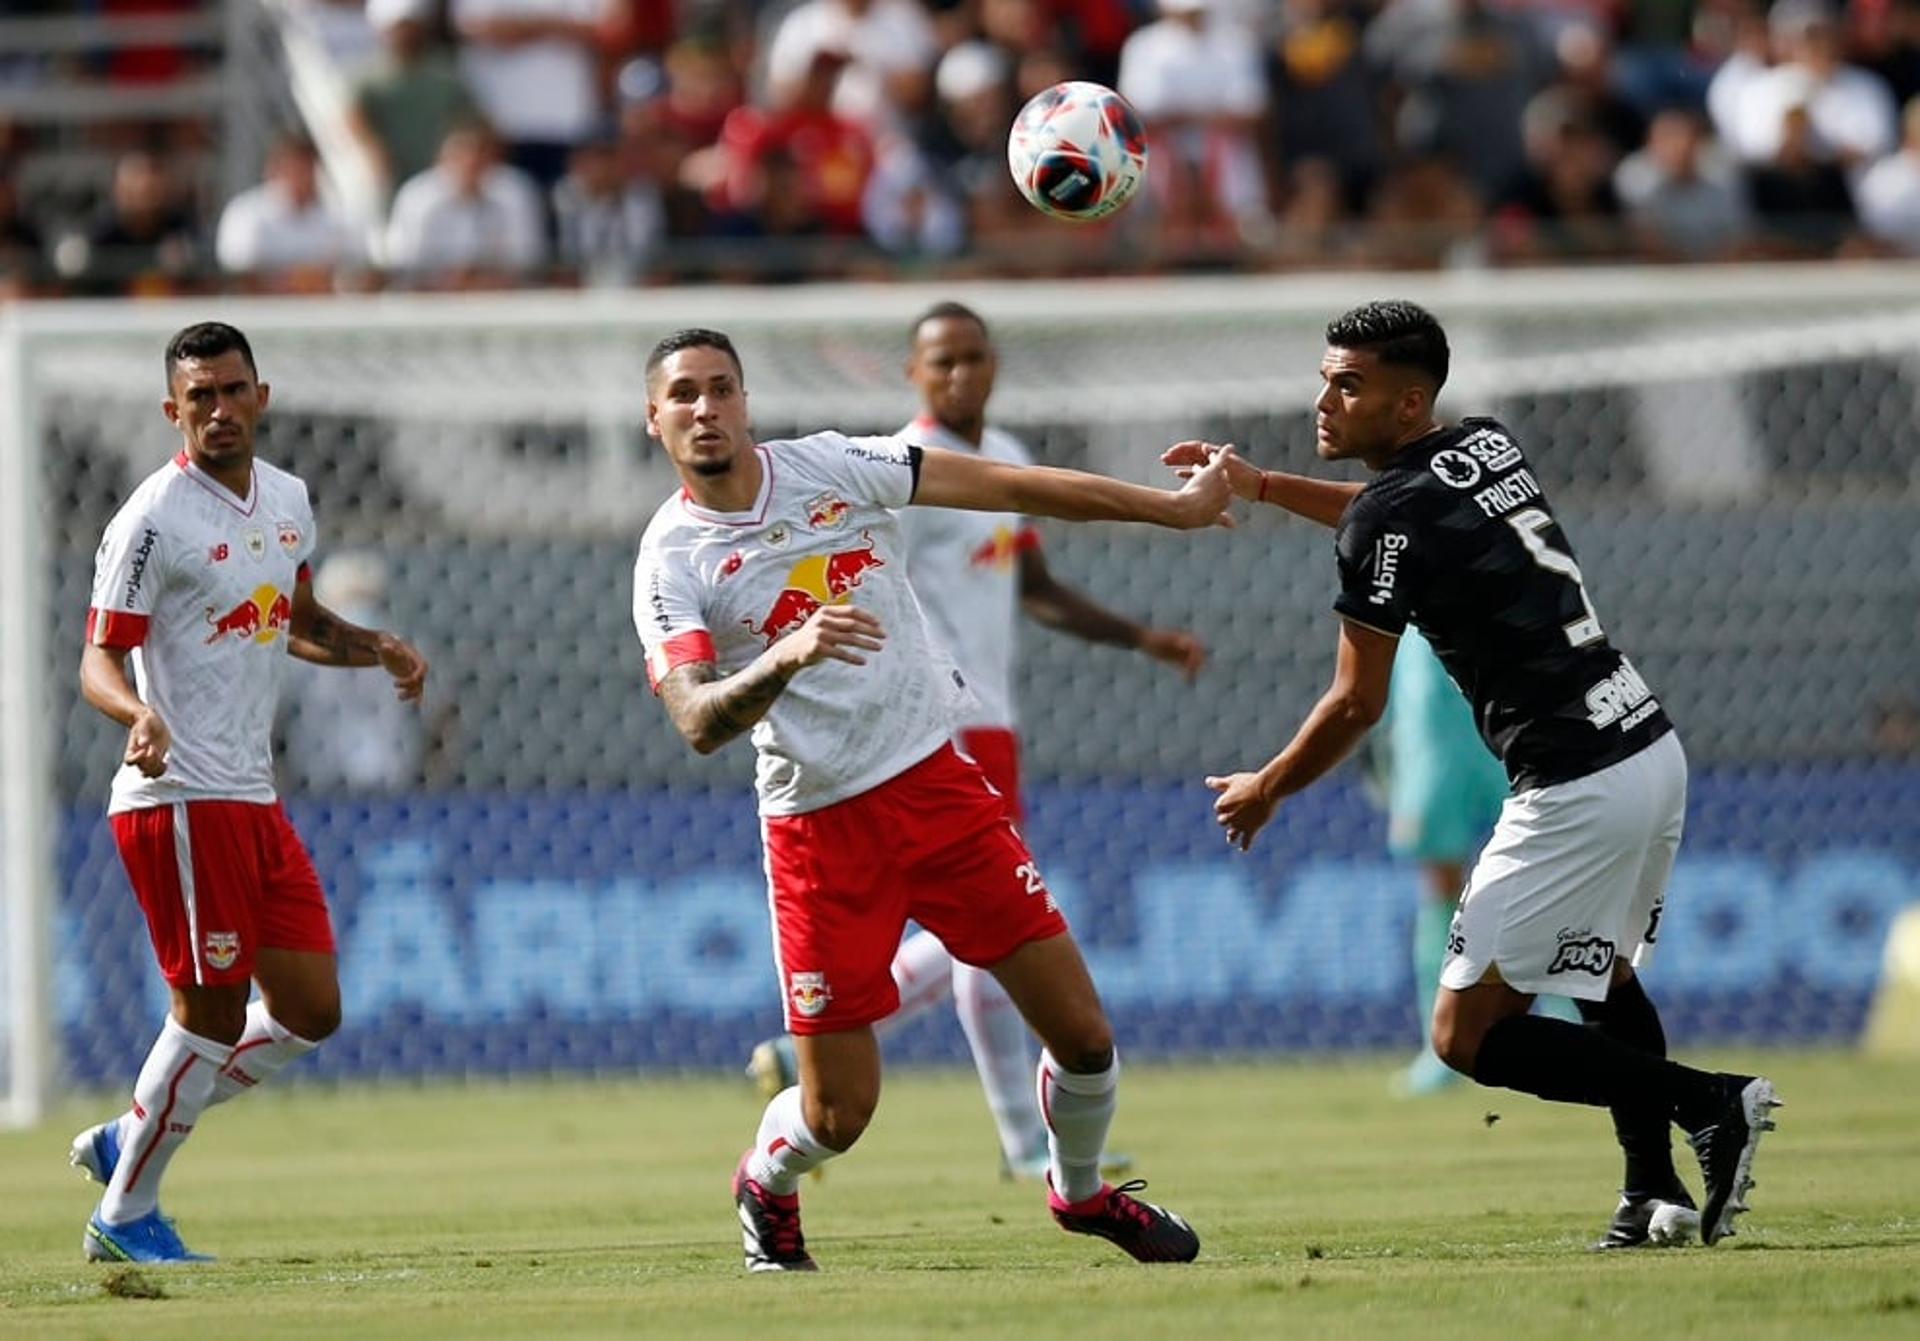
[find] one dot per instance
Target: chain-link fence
(535, 872)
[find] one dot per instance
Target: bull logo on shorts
(223, 947)
(809, 993)
(1588, 954)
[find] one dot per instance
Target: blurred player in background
(771, 595)
(1454, 534)
(202, 583)
(1444, 792)
(975, 573)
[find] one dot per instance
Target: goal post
(28, 1038)
(538, 860)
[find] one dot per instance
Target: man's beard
(713, 469)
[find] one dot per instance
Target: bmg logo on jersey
(809, 993)
(1582, 952)
(1386, 565)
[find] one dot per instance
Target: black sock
(1627, 1016)
(1565, 1062)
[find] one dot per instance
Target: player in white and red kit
(975, 574)
(201, 584)
(771, 595)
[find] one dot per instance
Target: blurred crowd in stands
(609, 142)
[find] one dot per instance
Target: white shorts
(1574, 877)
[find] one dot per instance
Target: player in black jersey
(1454, 535)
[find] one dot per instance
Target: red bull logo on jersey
(825, 512)
(817, 580)
(223, 947)
(809, 993)
(261, 618)
(998, 550)
(289, 536)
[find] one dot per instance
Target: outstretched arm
(1323, 501)
(318, 635)
(710, 709)
(957, 480)
(1344, 714)
(1052, 603)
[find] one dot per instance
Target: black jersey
(1454, 536)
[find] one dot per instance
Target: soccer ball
(1077, 151)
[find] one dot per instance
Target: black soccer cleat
(1657, 1222)
(1142, 1230)
(1726, 1148)
(769, 1226)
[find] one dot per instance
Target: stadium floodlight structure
(513, 423)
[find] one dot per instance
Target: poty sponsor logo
(255, 540)
(809, 993)
(138, 570)
(1581, 953)
(260, 618)
(817, 580)
(1386, 566)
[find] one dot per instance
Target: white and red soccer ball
(1077, 151)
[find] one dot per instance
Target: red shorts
(933, 844)
(997, 751)
(219, 881)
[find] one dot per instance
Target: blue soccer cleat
(151, 1240)
(96, 1152)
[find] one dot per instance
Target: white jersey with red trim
(725, 586)
(199, 584)
(965, 568)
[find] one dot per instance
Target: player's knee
(1093, 1056)
(1455, 1044)
(313, 1017)
(838, 1121)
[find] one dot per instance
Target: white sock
(261, 1054)
(175, 1084)
(922, 970)
(784, 1148)
(998, 1037)
(1078, 1110)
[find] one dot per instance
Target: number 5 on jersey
(1530, 524)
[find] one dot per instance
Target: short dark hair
(948, 310)
(207, 340)
(1398, 332)
(693, 337)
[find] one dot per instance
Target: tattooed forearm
(328, 640)
(711, 710)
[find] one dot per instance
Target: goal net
(535, 874)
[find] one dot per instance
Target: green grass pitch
(1327, 1209)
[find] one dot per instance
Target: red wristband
(1261, 497)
